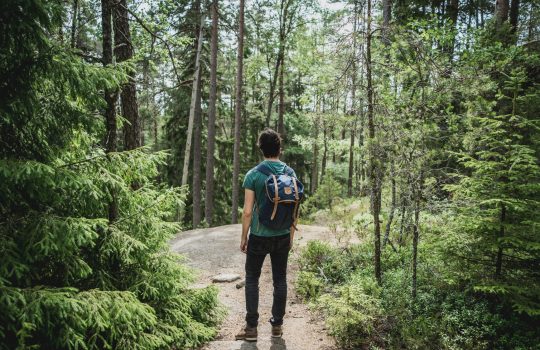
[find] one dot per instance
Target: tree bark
(501, 11)
(514, 15)
(325, 150)
(281, 110)
(452, 12)
(387, 17)
(110, 96)
(415, 243)
(124, 51)
(209, 196)
(353, 103)
(74, 24)
(195, 88)
(197, 153)
(373, 169)
(392, 210)
(238, 114)
(315, 167)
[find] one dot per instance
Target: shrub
(309, 285)
(354, 315)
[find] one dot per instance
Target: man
(264, 241)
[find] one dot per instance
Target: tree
(501, 11)
(111, 95)
(209, 197)
(123, 51)
(66, 269)
(374, 173)
(499, 198)
(354, 111)
(238, 112)
(193, 106)
(197, 140)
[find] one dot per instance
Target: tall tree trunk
(238, 113)
(499, 260)
(197, 135)
(209, 195)
(74, 20)
(416, 233)
(501, 11)
(110, 96)
(392, 210)
(315, 167)
(373, 168)
(452, 12)
(514, 15)
(197, 156)
(281, 111)
(124, 51)
(194, 89)
(271, 94)
(353, 103)
(387, 17)
(325, 150)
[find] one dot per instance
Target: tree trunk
(373, 171)
(387, 17)
(501, 11)
(124, 51)
(238, 113)
(325, 151)
(392, 210)
(315, 167)
(194, 89)
(272, 89)
(197, 156)
(209, 195)
(499, 261)
(353, 103)
(452, 12)
(110, 96)
(281, 111)
(415, 242)
(74, 20)
(402, 220)
(514, 15)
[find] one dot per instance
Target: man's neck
(275, 159)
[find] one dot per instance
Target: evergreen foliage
(69, 278)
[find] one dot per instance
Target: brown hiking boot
(247, 333)
(277, 331)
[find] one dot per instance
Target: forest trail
(216, 250)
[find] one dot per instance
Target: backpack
(283, 195)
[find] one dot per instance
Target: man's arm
(249, 200)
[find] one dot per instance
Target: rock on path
(215, 251)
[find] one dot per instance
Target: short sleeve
(249, 180)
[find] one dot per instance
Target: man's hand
(243, 245)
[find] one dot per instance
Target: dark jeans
(258, 248)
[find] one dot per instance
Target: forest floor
(216, 251)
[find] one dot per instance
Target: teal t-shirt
(255, 181)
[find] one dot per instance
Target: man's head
(270, 143)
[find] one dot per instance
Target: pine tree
(69, 278)
(500, 199)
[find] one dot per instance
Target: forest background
(414, 125)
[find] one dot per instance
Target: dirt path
(216, 250)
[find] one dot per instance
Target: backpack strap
(263, 168)
(288, 170)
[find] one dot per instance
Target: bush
(354, 315)
(309, 285)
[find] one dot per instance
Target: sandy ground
(216, 250)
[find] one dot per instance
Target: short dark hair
(270, 143)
